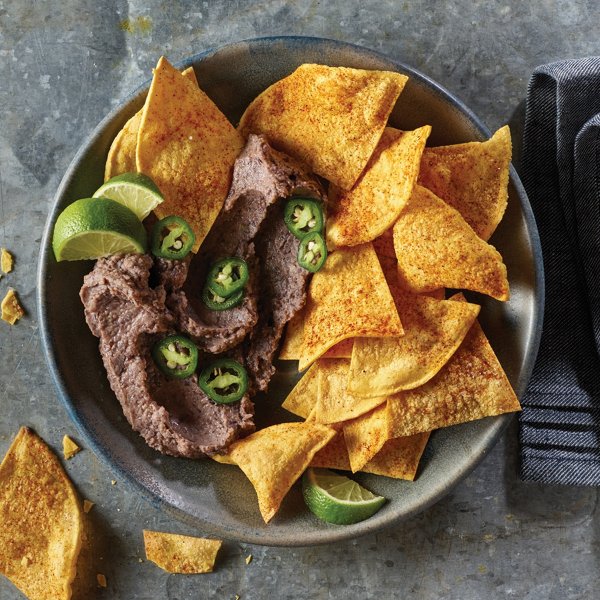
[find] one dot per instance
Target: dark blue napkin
(560, 168)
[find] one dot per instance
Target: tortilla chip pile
(388, 358)
(42, 521)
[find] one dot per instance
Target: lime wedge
(136, 191)
(95, 227)
(337, 499)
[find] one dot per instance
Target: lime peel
(95, 227)
(136, 191)
(337, 499)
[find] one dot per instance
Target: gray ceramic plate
(218, 499)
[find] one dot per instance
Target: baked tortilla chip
(291, 348)
(334, 402)
(41, 518)
(471, 385)
(473, 178)
(365, 436)
(433, 330)
(302, 399)
(188, 147)
(334, 455)
(121, 156)
(331, 118)
(347, 298)
(399, 457)
(372, 206)
(275, 457)
(435, 247)
(176, 553)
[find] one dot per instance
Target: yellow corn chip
(329, 117)
(70, 448)
(365, 436)
(433, 330)
(471, 385)
(12, 310)
(294, 338)
(399, 457)
(334, 455)
(347, 298)
(374, 203)
(121, 156)
(436, 248)
(188, 147)
(303, 398)
(6, 261)
(473, 178)
(176, 553)
(334, 402)
(273, 459)
(41, 518)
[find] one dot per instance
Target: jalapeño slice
(302, 216)
(176, 356)
(228, 276)
(216, 302)
(224, 381)
(172, 237)
(312, 252)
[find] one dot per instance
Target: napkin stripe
(587, 206)
(560, 422)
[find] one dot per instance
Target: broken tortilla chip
(121, 156)
(435, 247)
(331, 118)
(188, 147)
(473, 178)
(399, 457)
(291, 348)
(372, 206)
(274, 458)
(347, 298)
(6, 261)
(41, 517)
(12, 310)
(70, 448)
(433, 330)
(471, 385)
(334, 402)
(177, 553)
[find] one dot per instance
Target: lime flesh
(136, 191)
(95, 227)
(337, 499)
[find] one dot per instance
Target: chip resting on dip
(188, 147)
(331, 118)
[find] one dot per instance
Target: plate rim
(316, 536)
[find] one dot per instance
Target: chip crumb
(12, 311)
(113, 482)
(87, 506)
(248, 559)
(101, 579)
(70, 448)
(26, 560)
(237, 597)
(6, 260)
(140, 560)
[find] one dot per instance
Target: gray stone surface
(63, 65)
